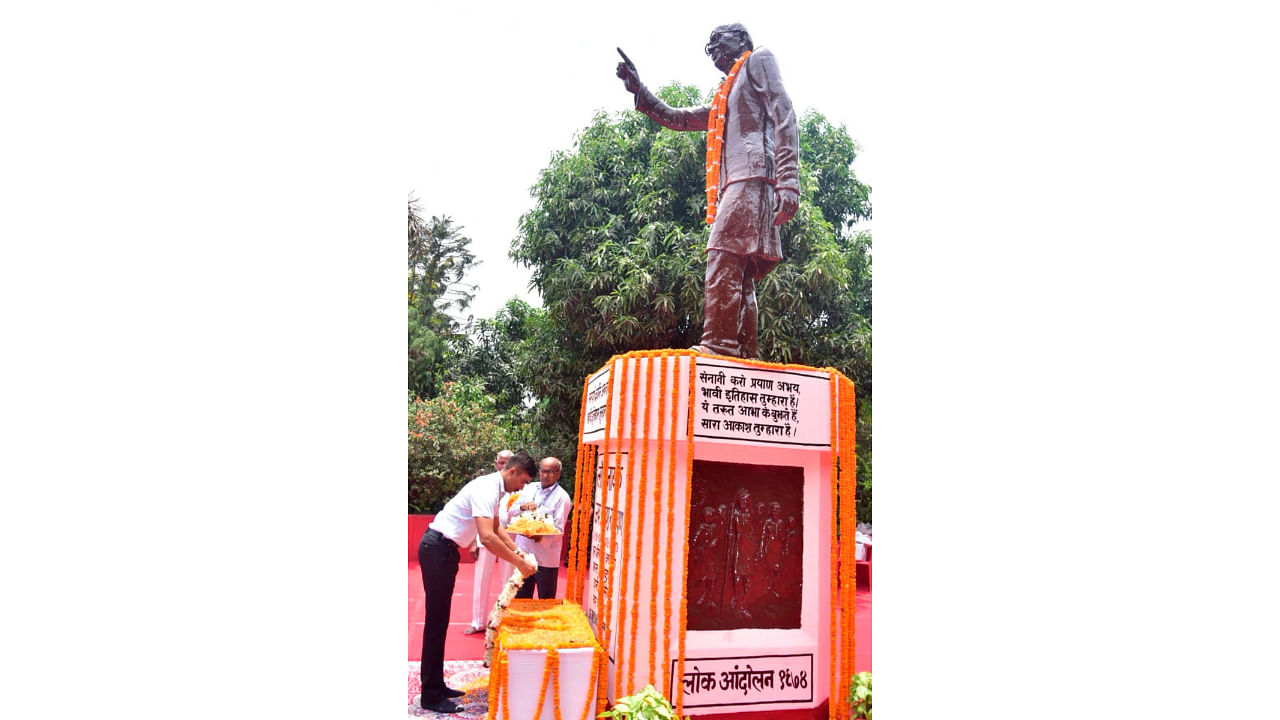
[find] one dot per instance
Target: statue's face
(724, 48)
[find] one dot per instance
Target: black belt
(437, 533)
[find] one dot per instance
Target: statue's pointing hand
(627, 71)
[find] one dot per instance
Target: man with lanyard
(471, 514)
(547, 496)
(483, 571)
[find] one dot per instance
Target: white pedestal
(647, 418)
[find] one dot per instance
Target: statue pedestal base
(711, 571)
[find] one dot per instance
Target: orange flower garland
(671, 496)
(550, 625)
(833, 705)
(639, 513)
(591, 683)
(610, 558)
(657, 527)
(584, 507)
(602, 680)
(605, 466)
(506, 696)
(849, 524)
(550, 666)
(715, 136)
(620, 668)
(584, 521)
(684, 569)
(574, 539)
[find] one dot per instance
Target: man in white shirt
(547, 496)
(471, 514)
(484, 569)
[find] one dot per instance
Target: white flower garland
(500, 608)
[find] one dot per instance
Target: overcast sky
(505, 89)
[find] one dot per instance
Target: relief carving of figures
(745, 546)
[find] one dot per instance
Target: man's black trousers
(438, 558)
(546, 578)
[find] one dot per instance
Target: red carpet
(471, 647)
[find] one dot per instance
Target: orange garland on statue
(715, 136)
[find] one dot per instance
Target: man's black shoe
(440, 706)
(450, 692)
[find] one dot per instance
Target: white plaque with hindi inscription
(761, 405)
(597, 404)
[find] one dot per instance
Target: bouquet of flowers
(533, 522)
(500, 607)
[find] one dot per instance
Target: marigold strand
(582, 509)
(583, 521)
(715, 137)
(506, 696)
(833, 704)
(627, 641)
(577, 494)
(657, 520)
(588, 705)
(609, 561)
(684, 570)
(605, 467)
(641, 493)
(671, 504)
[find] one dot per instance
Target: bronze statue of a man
(753, 136)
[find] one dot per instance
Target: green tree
(438, 259)
(615, 243)
(452, 439)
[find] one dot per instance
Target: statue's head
(727, 43)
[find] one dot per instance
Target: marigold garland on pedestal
(639, 513)
(606, 465)
(833, 705)
(549, 675)
(620, 668)
(593, 683)
(684, 569)
(572, 592)
(848, 528)
(657, 525)
(551, 625)
(668, 627)
(610, 562)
